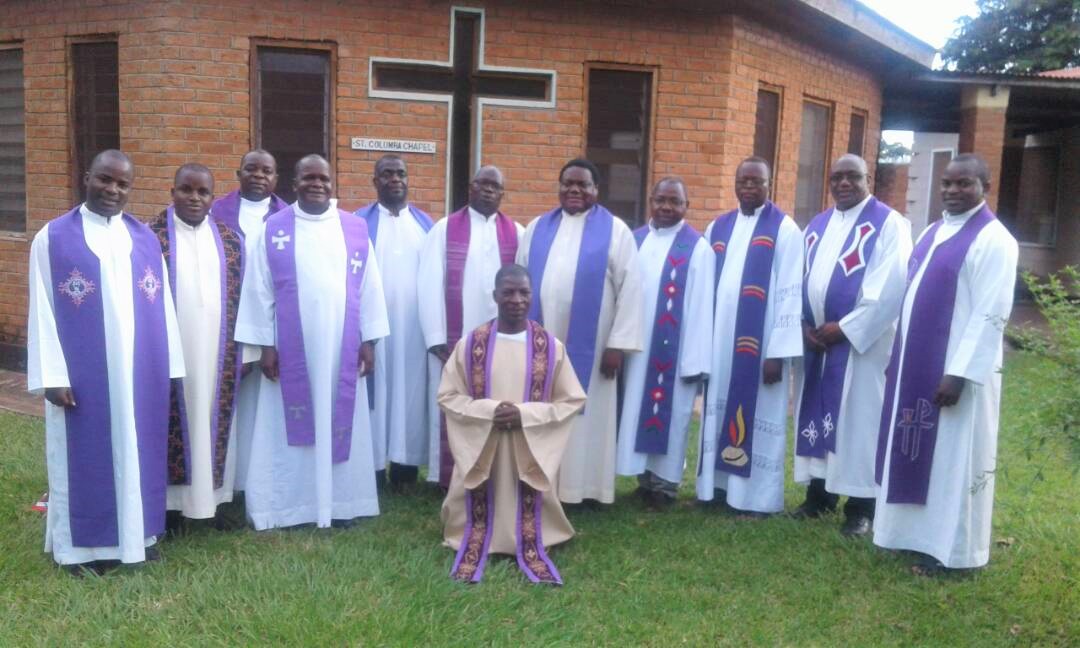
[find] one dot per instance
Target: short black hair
(111, 153)
(192, 166)
(258, 151)
(672, 179)
(756, 159)
(584, 164)
(387, 158)
(982, 170)
(512, 271)
(306, 158)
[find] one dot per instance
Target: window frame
(19, 233)
(73, 148)
(827, 153)
(775, 170)
(865, 114)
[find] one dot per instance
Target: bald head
(108, 182)
(849, 181)
(486, 190)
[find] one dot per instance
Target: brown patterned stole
(179, 449)
(480, 501)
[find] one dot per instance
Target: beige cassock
(531, 453)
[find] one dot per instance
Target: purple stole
(654, 418)
(589, 280)
(230, 250)
(295, 383)
(480, 501)
(370, 214)
(823, 386)
(458, 227)
(913, 422)
(80, 324)
(226, 210)
(736, 432)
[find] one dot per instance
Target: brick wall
(891, 185)
(184, 90)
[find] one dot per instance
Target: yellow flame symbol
(742, 426)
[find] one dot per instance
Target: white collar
(477, 215)
(757, 212)
(567, 214)
(960, 218)
(98, 218)
(244, 202)
(406, 209)
(853, 211)
(666, 231)
(331, 212)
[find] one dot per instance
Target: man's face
(961, 189)
(513, 296)
(313, 186)
(848, 183)
(108, 184)
(392, 182)
(752, 185)
(486, 191)
(257, 175)
(577, 191)
(192, 194)
(668, 204)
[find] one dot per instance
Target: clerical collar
(183, 223)
(386, 210)
(330, 212)
(674, 229)
(520, 336)
(475, 214)
(265, 202)
(757, 212)
(854, 210)
(567, 214)
(960, 218)
(87, 212)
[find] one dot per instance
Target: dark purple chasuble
(823, 385)
(458, 230)
(661, 374)
(589, 280)
(226, 210)
(480, 502)
(80, 323)
(735, 434)
(913, 422)
(292, 360)
(230, 249)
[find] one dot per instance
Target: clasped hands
(507, 417)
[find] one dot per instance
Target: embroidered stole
(735, 434)
(294, 378)
(910, 427)
(589, 281)
(823, 385)
(226, 210)
(654, 418)
(230, 249)
(80, 324)
(480, 502)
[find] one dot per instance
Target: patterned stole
(823, 385)
(230, 249)
(80, 327)
(913, 421)
(294, 378)
(654, 418)
(480, 501)
(735, 435)
(226, 210)
(458, 226)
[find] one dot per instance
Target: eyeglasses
(660, 201)
(571, 184)
(850, 176)
(750, 182)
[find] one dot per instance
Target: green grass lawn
(687, 576)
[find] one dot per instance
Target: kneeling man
(510, 396)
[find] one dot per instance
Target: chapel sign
(393, 145)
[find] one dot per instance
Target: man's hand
(690, 380)
(440, 351)
(367, 359)
(269, 363)
(611, 363)
(507, 416)
(246, 368)
(773, 371)
(60, 396)
(810, 339)
(948, 391)
(830, 333)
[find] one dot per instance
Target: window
(767, 127)
(940, 159)
(96, 104)
(813, 154)
(12, 142)
(617, 137)
(1036, 211)
(857, 133)
(292, 107)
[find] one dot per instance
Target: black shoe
(811, 511)
(344, 524)
(751, 515)
(856, 526)
(657, 501)
(153, 554)
(400, 475)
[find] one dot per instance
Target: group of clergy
(302, 354)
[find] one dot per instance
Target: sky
(930, 20)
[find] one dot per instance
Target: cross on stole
(466, 82)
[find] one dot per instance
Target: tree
(1016, 36)
(893, 153)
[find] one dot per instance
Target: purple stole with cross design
(80, 323)
(735, 434)
(458, 226)
(294, 378)
(230, 249)
(480, 502)
(823, 385)
(654, 418)
(226, 210)
(913, 421)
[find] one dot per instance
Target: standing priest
(856, 272)
(759, 263)
(938, 446)
(461, 255)
(313, 300)
(510, 397)
(676, 270)
(102, 345)
(399, 392)
(587, 292)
